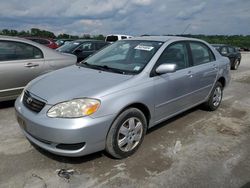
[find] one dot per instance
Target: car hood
(75, 82)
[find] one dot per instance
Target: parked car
(61, 42)
(22, 60)
(82, 48)
(46, 42)
(111, 99)
(231, 52)
(115, 37)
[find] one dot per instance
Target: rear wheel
(215, 98)
(126, 133)
(236, 64)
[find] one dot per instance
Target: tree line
(35, 32)
(242, 41)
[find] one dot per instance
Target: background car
(22, 60)
(231, 52)
(82, 48)
(61, 42)
(115, 37)
(46, 42)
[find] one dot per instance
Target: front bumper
(87, 133)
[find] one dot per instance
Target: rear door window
(10, 50)
(201, 53)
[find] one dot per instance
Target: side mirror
(166, 68)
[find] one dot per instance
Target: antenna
(186, 29)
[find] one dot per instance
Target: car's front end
(56, 113)
(64, 136)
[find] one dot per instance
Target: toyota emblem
(29, 100)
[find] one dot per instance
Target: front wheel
(126, 133)
(215, 98)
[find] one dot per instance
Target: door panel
(19, 63)
(202, 81)
(172, 90)
(172, 93)
(15, 75)
(204, 71)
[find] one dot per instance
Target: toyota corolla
(109, 101)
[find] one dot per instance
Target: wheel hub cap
(217, 96)
(130, 134)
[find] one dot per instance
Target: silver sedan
(22, 60)
(112, 98)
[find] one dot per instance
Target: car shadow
(69, 160)
(247, 185)
(7, 104)
(168, 121)
(94, 156)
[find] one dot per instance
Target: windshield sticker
(76, 43)
(146, 48)
(137, 68)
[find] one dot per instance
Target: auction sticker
(146, 48)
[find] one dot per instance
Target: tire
(126, 133)
(236, 64)
(215, 98)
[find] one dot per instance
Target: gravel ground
(194, 149)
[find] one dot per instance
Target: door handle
(215, 67)
(30, 65)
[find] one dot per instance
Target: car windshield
(125, 57)
(68, 47)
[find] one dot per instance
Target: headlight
(74, 109)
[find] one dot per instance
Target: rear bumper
(88, 134)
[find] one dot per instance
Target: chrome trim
(17, 88)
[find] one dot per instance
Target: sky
(132, 17)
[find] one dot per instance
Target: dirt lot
(195, 149)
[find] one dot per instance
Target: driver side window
(175, 54)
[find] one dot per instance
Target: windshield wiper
(102, 67)
(106, 67)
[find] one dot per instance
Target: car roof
(162, 38)
(88, 40)
(19, 39)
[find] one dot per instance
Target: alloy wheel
(130, 134)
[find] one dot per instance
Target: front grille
(32, 103)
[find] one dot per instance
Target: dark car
(231, 52)
(61, 42)
(46, 42)
(82, 48)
